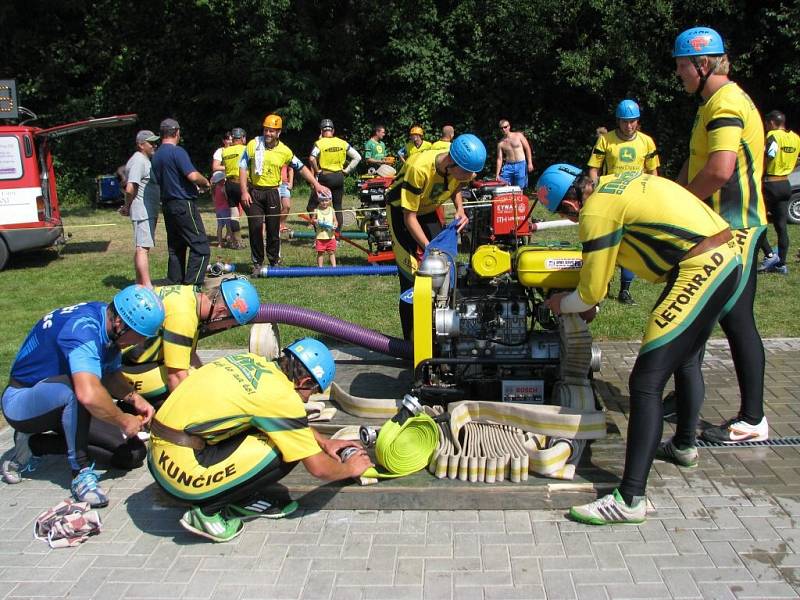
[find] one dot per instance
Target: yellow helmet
(416, 129)
(273, 122)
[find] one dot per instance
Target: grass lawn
(98, 261)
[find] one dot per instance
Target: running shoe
(736, 430)
(779, 269)
(85, 488)
(669, 452)
(626, 298)
(609, 510)
(22, 460)
(262, 507)
(215, 527)
(769, 262)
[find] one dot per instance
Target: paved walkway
(729, 529)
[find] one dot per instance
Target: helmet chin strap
(703, 76)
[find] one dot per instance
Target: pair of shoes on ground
(772, 264)
(228, 523)
(21, 461)
(626, 298)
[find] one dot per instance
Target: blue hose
(328, 271)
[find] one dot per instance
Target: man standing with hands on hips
(179, 181)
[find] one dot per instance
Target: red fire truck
(29, 215)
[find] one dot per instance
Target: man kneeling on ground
(236, 426)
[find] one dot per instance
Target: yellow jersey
(331, 153)
(178, 336)
(781, 149)
(230, 159)
(270, 161)
(236, 393)
(418, 187)
(410, 149)
(440, 145)
(616, 155)
(642, 222)
(729, 121)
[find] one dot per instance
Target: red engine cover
(504, 221)
(382, 182)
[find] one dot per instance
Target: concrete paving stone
(643, 569)
(691, 507)
(763, 590)
(293, 538)
(477, 578)
(249, 576)
(645, 549)
(306, 551)
(453, 516)
(413, 521)
(182, 569)
(115, 561)
(765, 511)
(466, 544)
(535, 550)
(213, 563)
(724, 518)
(723, 554)
(653, 531)
(507, 538)
(495, 558)
(429, 551)
(439, 532)
(388, 592)
(486, 527)
(375, 527)
(319, 586)
(150, 590)
(611, 535)
(452, 565)
(568, 564)
(682, 561)
(759, 546)
(356, 545)
(365, 579)
(602, 577)
(110, 591)
(608, 556)
(576, 544)
(20, 574)
(293, 571)
(717, 591)
(137, 575)
(761, 567)
(518, 521)
(409, 572)
(591, 592)
(545, 532)
(638, 590)
(526, 572)
(346, 593)
(202, 584)
(390, 516)
(337, 564)
(681, 585)
(437, 585)
(399, 539)
(334, 534)
(273, 592)
(685, 524)
(559, 585)
(88, 586)
(686, 542)
(760, 528)
(524, 592)
(73, 569)
(727, 574)
(537, 516)
(491, 515)
(723, 535)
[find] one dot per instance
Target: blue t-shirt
(170, 166)
(68, 340)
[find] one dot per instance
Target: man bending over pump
(238, 425)
(157, 365)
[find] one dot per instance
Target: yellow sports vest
(440, 145)
(274, 159)
(332, 153)
(788, 144)
(230, 159)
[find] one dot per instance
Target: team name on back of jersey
(619, 183)
(684, 297)
(247, 371)
(174, 472)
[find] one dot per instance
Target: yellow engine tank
(491, 261)
(549, 268)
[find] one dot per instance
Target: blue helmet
(241, 298)
(698, 41)
(628, 110)
(552, 185)
(141, 309)
(316, 358)
(468, 152)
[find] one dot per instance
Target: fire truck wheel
(4, 254)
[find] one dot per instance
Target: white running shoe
(736, 430)
(609, 510)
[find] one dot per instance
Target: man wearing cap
(724, 170)
(179, 181)
(514, 156)
(426, 181)
(415, 143)
(327, 161)
(259, 179)
(142, 199)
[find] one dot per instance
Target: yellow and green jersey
(331, 153)
(374, 150)
(230, 159)
(178, 337)
(641, 222)
(781, 149)
(729, 121)
(418, 187)
(237, 393)
(613, 155)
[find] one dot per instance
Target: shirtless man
(514, 156)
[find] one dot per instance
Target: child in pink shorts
(222, 209)
(324, 219)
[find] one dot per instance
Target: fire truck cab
(29, 214)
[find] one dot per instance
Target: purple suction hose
(336, 328)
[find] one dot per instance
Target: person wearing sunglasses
(237, 426)
(64, 380)
(514, 157)
(157, 365)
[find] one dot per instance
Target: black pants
(650, 374)
(265, 209)
(405, 252)
(334, 182)
(234, 195)
(776, 196)
(185, 231)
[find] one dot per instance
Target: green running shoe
(610, 510)
(215, 528)
(669, 452)
(262, 507)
